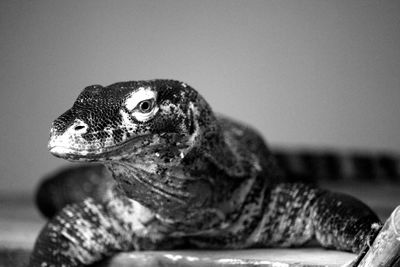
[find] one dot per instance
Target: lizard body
(183, 176)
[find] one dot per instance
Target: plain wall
(305, 73)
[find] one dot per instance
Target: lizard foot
(385, 249)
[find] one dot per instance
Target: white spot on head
(184, 85)
(126, 121)
(134, 98)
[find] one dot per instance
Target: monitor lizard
(182, 176)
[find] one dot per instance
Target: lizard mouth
(109, 153)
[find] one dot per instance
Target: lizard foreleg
(83, 233)
(297, 213)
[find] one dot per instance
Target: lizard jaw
(71, 154)
(111, 153)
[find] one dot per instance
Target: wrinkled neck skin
(185, 180)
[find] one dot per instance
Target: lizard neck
(201, 184)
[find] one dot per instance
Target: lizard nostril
(80, 127)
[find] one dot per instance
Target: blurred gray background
(305, 73)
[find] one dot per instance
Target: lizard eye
(145, 106)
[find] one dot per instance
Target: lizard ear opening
(191, 129)
(191, 125)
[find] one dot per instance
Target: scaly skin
(183, 177)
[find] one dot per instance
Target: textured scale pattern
(177, 175)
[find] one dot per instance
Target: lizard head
(127, 119)
(143, 131)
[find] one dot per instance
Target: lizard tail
(73, 185)
(314, 166)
